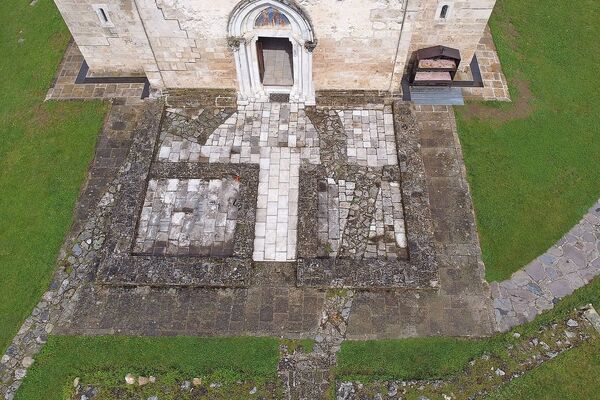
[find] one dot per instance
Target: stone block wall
(356, 49)
(121, 47)
(357, 42)
(189, 39)
(362, 44)
(461, 29)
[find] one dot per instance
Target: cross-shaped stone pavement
(280, 138)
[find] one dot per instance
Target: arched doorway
(273, 44)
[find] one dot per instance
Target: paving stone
(64, 87)
(462, 302)
(188, 217)
(494, 81)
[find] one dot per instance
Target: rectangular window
(103, 15)
(444, 11)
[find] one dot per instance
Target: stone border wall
(352, 98)
(201, 97)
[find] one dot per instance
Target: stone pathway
(308, 376)
(495, 86)
(64, 87)
(568, 265)
(277, 205)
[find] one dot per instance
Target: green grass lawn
(534, 172)
(104, 362)
(45, 149)
(417, 358)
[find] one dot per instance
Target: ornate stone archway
(243, 34)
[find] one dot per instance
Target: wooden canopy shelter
(434, 66)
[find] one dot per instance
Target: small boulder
(76, 382)
(572, 323)
(345, 391)
(142, 380)
(569, 334)
(152, 379)
(545, 346)
(253, 390)
(392, 389)
(499, 372)
(129, 379)
(27, 362)
(196, 381)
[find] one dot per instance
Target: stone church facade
(231, 44)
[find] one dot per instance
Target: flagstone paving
(568, 265)
(280, 138)
(495, 85)
(276, 136)
(107, 285)
(65, 88)
(188, 216)
(110, 286)
(460, 307)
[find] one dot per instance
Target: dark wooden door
(261, 59)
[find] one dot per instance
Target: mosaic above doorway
(271, 17)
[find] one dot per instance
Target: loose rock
(129, 379)
(27, 362)
(392, 390)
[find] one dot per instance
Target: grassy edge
(355, 364)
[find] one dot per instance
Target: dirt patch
(521, 108)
